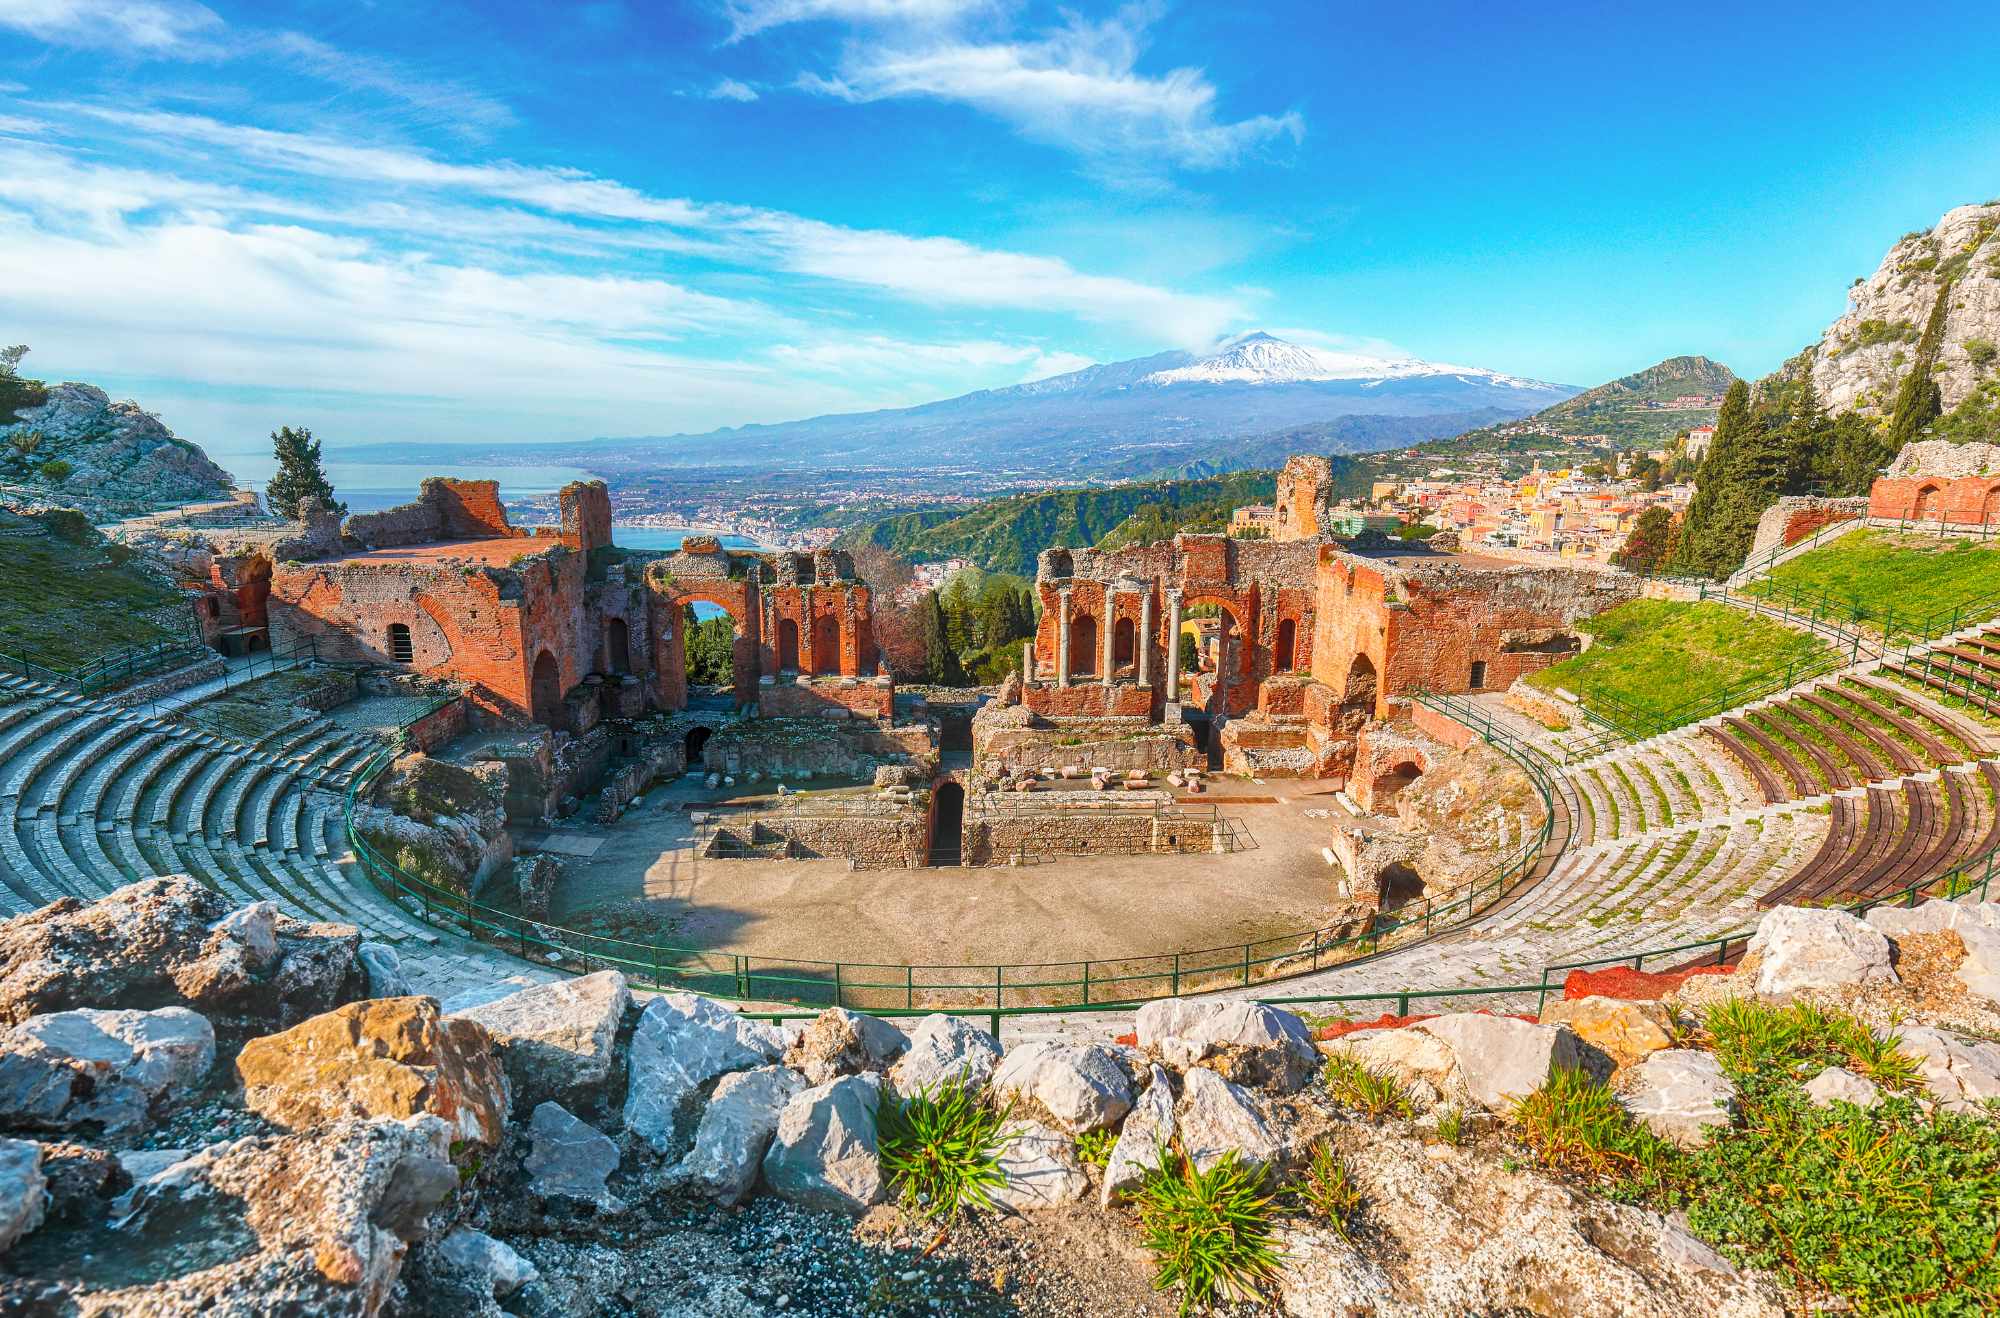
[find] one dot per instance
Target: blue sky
(550, 221)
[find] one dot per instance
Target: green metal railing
(109, 672)
(879, 986)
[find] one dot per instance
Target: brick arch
(736, 599)
(1927, 502)
(545, 691)
(1239, 626)
(1989, 507)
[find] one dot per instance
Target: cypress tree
(1725, 485)
(299, 475)
(1918, 401)
(940, 660)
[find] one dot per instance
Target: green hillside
(1005, 535)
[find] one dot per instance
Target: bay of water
(369, 487)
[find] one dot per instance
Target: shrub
(66, 524)
(1981, 352)
(1374, 1094)
(56, 471)
(1325, 1190)
(1209, 1232)
(1575, 1125)
(941, 1150)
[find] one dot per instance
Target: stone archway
(1989, 507)
(1389, 783)
(695, 743)
(1927, 501)
(545, 691)
(1284, 655)
(947, 824)
(1123, 649)
(1357, 701)
(697, 656)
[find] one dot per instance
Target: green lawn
(62, 604)
(1878, 576)
(1660, 654)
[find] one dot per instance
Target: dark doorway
(1478, 682)
(1082, 644)
(1398, 885)
(826, 646)
(545, 692)
(947, 823)
(788, 646)
(697, 740)
(1288, 637)
(615, 642)
(400, 648)
(1121, 643)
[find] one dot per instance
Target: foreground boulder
(171, 942)
(1501, 1059)
(824, 1152)
(1798, 947)
(1038, 1167)
(385, 1057)
(110, 1070)
(1148, 1129)
(1247, 1042)
(1083, 1087)
(1623, 1031)
(1680, 1094)
(1961, 1074)
(944, 1049)
(570, 1159)
(1216, 1118)
(555, 1040)
(683, 1042)
(841, 1042)
(24, 1192)
(736, 1129)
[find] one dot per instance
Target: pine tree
(1742, 475)
(299, 475)
(940, 659)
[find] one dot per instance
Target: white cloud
(749, 16)
(728, 89)
(154, 26)
(437, 97)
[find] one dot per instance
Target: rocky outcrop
(1799, 948)
(116, 451)
(387, 1057)
(439, 821)
(823, 1153)
(683, 1042)
(108, 1070)
(172, 942)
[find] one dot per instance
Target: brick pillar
(1146, 638)
(1062, 637)
(1110, 630)
(1173, 645)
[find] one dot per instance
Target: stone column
(1104, 641)
(1146, 638)
(1173, 645)
(1062, 637)
(1028, 661)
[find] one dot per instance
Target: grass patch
(941, 1150)
(64, 604)
(1324, 1189)
(1657, 655)
(1372, 1093)
(1210, 1233)
(1878, 577)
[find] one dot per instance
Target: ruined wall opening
(947, 823)
(1927, 501)
(826, 646)
(1989, 507)
(788, 646)
(1122, 649)
(616, 642)
(545, 691)
(1397, 885)
(695, 743)
(1082, 644)
(713, 651)
(1284, 656)
(400, 648)
(1383, 791)
(1478, 679)
(253, 602)
(1357, 703)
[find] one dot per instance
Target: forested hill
(1005, 535)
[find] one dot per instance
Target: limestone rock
(23, 1190)
(497, 1268)
(166, 943)
(1961, 1074)
(107, 1069)
(736, 1129)
(570, 1159)
(942, 1048)
(1250, 1042)
(81, 1181)
(1680, 1094)
(1837, 1084)
(1624, 1031)
(1980, 971)
(1215, 1118)
(1422, 1064)
(300, 1224)
(1499, 1058)
(556, 1039)
(1326, 1277)
(255, 927)
(1082, 1086)
(385, 1057)
(116, 450)
(824, 1152)
(1799, 947)
(384, 971)
(1148, 1129)
(1041, 1168)
(683, 1042)
(841, 1042)
(1933, 917)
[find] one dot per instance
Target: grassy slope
(1661, 654)
(61, 604)
(1872, 573)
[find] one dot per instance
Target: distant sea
(369, 487)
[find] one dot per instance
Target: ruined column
(1110, 633)
(1062, 637)
(1146, 638)
(1028, 662)
(1173, 645)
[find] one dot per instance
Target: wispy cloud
(440, 98)
(751, 16)
(152, 26)
(728, 89)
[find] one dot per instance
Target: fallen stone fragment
(824, 1153)
(107, 1069)
(1256, 1044)
(841, 1042)
(1422, 1065)
(1502, 1059)
(1216, 1118)
(495, 1266)
(1933, 917)
(1040, 1167)
(736, 1129)
(1623, 1031)
(1837, 1084)
(23, 1190)
(555, 1040)
(944, 1048)
(683, 1042)
(1798, 947)
(1961, 1074)
(1680, 1094)
(570, 1159)
(1147, 1132)
(1326, 1277)
(383, 1057)
(384, 970)
(1081, 1086)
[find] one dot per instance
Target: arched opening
(788, 646)
(1397, 885)
(615, 637)
(695, 743)
(709, 653)
(545, 691)
(1927, 501)
(826, 645)
(1082, 644)
(1122, 651)
(947, 823)
(1478, 679)
(400, 648)
(1285, 657)
(1383, 791)
(1357, 702)
(1989, 508)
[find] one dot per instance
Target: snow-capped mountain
(1261, 358)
